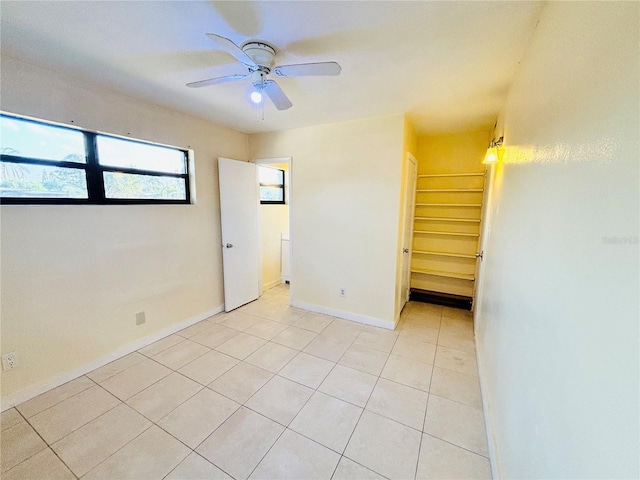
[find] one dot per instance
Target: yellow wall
(73, 277)
(557, 323)
(345, 192)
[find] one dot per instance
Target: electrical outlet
(140, 318)
(343, 292)
(10, 361)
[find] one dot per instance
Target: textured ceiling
(447, 65)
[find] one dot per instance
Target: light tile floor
(267, 391)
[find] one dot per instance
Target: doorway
(274, 178)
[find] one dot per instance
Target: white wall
(345, 194)
(557, 330)
(73, 277)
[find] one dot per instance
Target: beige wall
(345, 193)
(73, 277)
(558, 330)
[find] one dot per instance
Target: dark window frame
(93, 172)
(274, 185)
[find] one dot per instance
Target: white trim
(272, 284)
(354, 317)
(35, 390)
(491, 444)
(263, 161)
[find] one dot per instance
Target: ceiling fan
(259, 57)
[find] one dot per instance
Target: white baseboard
(354, 317)
(272, 284)
(35, 390)
(493, 454)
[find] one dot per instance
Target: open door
(410, 175)
(239, 202)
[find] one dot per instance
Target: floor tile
(398, 402)
(241, 346)
(364, 359)
(456, 360)
(442, 460)
(151, 455)
(383, 341)
(135, 379)
(280, 399)
(97, 440)
(456, 386)
(295, 337)
(241, 382)
(419, 333)
(295, 457)
(271, 357)
(200, 327)
(162, 397)
(195, 467)
(385, 446)
(54, 396)
(327, 348)
(456, 423)
(343, 330)
(71, 414)
(458, 338)
(457, 313)
(348, 384)
(307, 370)
(195, 419)
(241, 442)
(17, 444)
(208, 367)
(284, 314)
(408, 372)
(350, 470)
(280, 300)
(110, 369)
(266, 329)
(42, 466)
(415, 350)
(10, 418)
(179, 355)
(214, 336)
(161, 345)
(315, 322)
(426, 319)
(240, 321)
(327, 420)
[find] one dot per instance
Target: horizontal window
(45, 163)
(271, 185)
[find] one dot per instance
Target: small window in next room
(271, 185)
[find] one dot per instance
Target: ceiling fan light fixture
(256, 97)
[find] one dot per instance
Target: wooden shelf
(430, 232)
(461, 276)
(474, 205)
(452, 175)
(449, 219)
(444, 254)
(450, 190)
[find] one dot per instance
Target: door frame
(288, 191)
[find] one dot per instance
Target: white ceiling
(447, 65)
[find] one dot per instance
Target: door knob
(229, 245)
(405, 250)
(479, 254)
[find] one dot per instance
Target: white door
(410, 174)
(239, 200)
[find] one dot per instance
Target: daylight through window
(45, 163)
(271, 185)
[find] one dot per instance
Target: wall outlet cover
(140, 318)
(10, 361)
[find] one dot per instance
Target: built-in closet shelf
(430, 232)
(452, 175)
(444, 254)
(449, 219)
(472, 205)
(450, 190)
(462, 276)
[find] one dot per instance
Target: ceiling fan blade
(276, 95)
(214, 81)
(305, 69)
(232, 49)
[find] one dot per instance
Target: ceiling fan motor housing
(261, 53)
